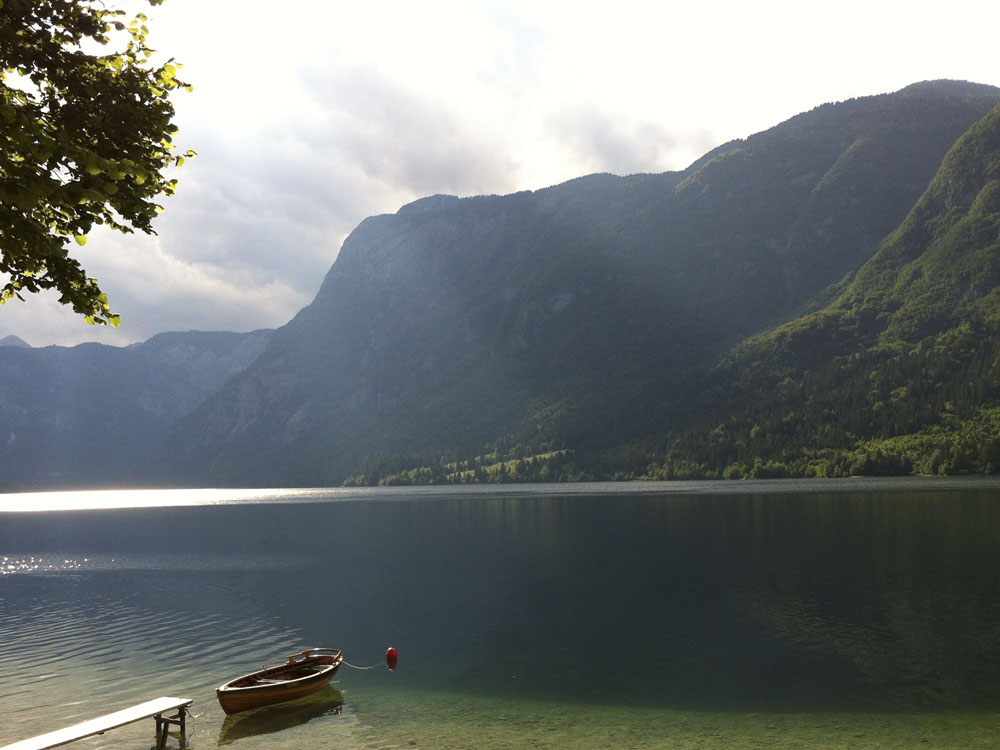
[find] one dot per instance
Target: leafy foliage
(85, 139)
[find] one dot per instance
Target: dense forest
(899, 375)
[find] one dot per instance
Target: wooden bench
(155, 708)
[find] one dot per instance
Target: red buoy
(391, 657)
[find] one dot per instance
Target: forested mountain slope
(580, 320)
(900, 374)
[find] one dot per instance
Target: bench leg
(181, 715)
(161, 732)
(163, 728)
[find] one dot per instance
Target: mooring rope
(348, 664)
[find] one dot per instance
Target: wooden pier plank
(101, 724)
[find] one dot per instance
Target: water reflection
(790, 603)
(769, 602)
(269, 719)
(900, 590)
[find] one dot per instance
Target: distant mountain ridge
(656, 325)
(96, 414)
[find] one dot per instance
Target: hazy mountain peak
(430, 203)
(949, 87)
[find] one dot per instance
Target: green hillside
(900, 374)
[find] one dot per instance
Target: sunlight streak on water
(111, 499)
(31, 564)
(179, 562)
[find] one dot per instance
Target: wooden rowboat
(303, 673)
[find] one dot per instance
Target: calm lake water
(837, 614)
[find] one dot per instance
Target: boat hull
(295, 679)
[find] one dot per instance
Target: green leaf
(73, 134)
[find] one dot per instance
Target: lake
(782, 614)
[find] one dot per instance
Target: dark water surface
(725, 615)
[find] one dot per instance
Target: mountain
(899, 374)
(589, 318)
(816, 299)
(13, 341)
(94, 414)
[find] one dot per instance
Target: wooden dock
(155, 708)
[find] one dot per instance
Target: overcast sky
(309, 115)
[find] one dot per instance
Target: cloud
(615, 142)
(309, 117)
(391, 138)
(149, 286)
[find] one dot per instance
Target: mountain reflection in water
(847, 601)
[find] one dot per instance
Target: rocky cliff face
(573, 315)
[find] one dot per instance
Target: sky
(310, 115)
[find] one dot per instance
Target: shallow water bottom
(445, 721)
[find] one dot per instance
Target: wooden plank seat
(155, 708)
